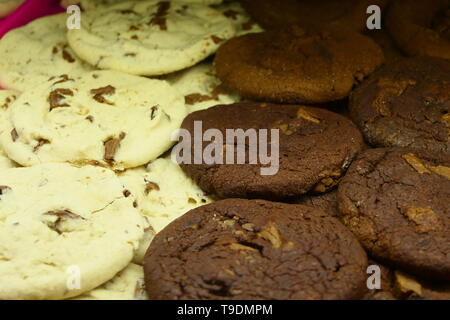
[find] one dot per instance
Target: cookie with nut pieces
(104, 118)
(406, 104)
(396, 202)
(313, 150)
(254, 249)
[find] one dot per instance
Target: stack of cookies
(349, 200)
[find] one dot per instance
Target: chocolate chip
(111, 146)
(63, 78)
(14, 135)
(153, 113)
(126, 193)
(232, 14)
(194, 98)
(40, 143)
(56, 96)
(4, 189)
(90, 118)
(150, 186)
(160, 16)
(67, 56)
(99, 92)
(62, 216)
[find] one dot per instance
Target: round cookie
(396, 202)
(315, 148)
(200, 87)
(149, 37)
(326, 202)
(406, 104)
(64, 230)
(8, 6)
(292, 66)
(239, 17)
(311, 14)
(36, 52)
(128, 284)
(421, 28)
(104, 117)
(163, 192)
(254, 249)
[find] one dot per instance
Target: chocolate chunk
(14, 135)
(40, 143)
(62, 215)
(67, 56)
(98, 93)
(56, 96)
(160, 17)
(111, 147)
(216, 39)
(150, 186)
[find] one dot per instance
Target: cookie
(396, 202)
(239, 17)
(64, 230)
(200, 87)
(311, 14)
(95, 4)
(406, 104)
(8, 6)
(315, 148)
(326, 202)
(411, 288)
(147, 238)
(128, 284)
(421, 28)
(104, 117)
(149, 37)
(293, 66)
(254, 249)
(163, 192)
(36, 52)
(7, 97)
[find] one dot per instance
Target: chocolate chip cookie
(254, 249)
(421, 27)
(406, 104)
(295, 66)
(396, 202)
(311, 14)
(315, 147)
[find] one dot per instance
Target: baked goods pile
(92, 205)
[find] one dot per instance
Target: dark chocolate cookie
(326, 202)
(316, 147)
(311, 14)
(387, 44)
(421, 27)
(406, 104)
(294, 66)
(254, 249)
(396, 201)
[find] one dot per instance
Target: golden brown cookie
(294, 66)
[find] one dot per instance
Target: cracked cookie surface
(103, 117)
(406, 104)
(316, 147)
(60, 224)
(254, 249)
(294, 66)
(396, 202)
